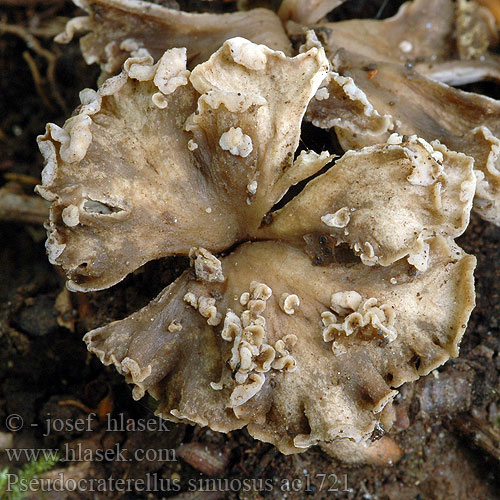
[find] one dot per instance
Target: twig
(27, 180)
(17, 207)
(37, 79)
(479, 433)
(49, 29)
(381, 9)
(77, 404)
(33, 44)
(104, 408)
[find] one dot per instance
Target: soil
(447, 425)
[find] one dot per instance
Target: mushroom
(330, 387)
(118, 29)
(340, 104)
(384, 201)
(306, 11)
(463, 121)
(162, 160)
(475, 33)
(124, 194)
(476, 30)
(422, 30)
(444, 40)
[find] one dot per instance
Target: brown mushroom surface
(325, 372)
(422, 30)
(384, 201)
(159, 160)
(463, 121)
(340, 104)
(306, 11)
(118, 28)
(298, 323)
(444, 40)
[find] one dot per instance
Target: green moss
(24, 475)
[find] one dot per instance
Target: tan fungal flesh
(422, 30)
(289, 388)
(443, 40)
(464, 122)
(112, 24)
(352, 314)
(382, 201)
(289, 303)
(140, 195)
(207, 267)
(341, 104)
(353, 287)
(236, 142)
(306, 11)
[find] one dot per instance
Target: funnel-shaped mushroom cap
(296, 337)
(323, 369)
(118, 27)
(158, 161)
(384, 201)
(465, 122)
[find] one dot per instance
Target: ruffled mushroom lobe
(326, 372)
(159, 160)
(384, 201)
(119, 28)
(237, 119)
(120, 188)
(341, 105)
(463, 121)
(443, 39)
(422, 30)
(476, 33)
